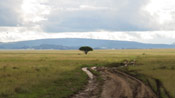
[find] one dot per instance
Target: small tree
(85, 49)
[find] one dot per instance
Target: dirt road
(116, 85)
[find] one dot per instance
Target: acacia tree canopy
(85, 49)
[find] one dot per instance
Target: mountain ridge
(75, 43)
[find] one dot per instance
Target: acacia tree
(85, 49)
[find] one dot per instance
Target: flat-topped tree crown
(85, 49)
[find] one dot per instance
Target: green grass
(159, 65)
(57, 74)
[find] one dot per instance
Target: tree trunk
(86, 52)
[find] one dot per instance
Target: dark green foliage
(85, 49)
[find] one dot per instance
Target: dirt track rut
(116, 85)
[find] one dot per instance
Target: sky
(147, 21)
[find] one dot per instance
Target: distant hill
(75, 43)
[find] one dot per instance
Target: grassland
(57, 74)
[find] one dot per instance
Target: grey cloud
(86, 15)
(125, 15)
(10, 12)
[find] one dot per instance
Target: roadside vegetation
(57, 74)
(157, 69)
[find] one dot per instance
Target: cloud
(23, 33)
(34, 11)
(163, 12)
(9, 12)
(150, 21)
(90, 15)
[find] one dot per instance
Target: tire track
(116, 85)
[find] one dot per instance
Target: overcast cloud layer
(33, 19)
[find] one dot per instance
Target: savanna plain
(58, 74)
